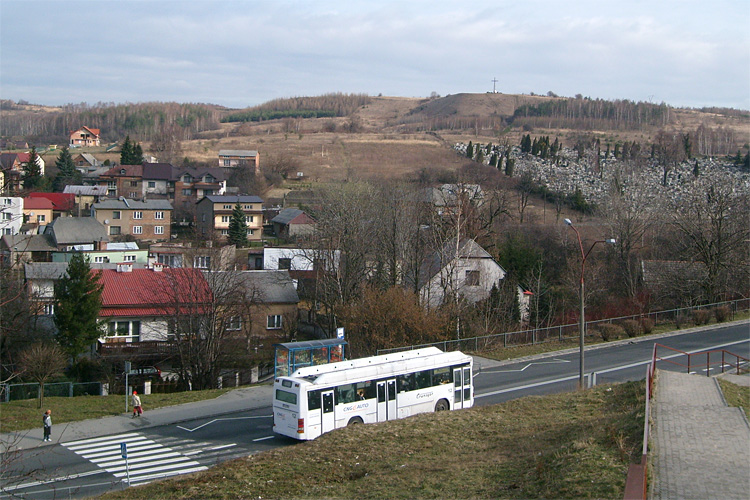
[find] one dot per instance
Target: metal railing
(571, 331)
(16, 392)
(690, 365)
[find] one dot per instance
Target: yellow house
(37, 211)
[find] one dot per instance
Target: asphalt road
(81, 467)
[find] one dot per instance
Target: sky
(239, 53)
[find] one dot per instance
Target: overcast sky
(240, 53)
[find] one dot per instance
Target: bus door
(387, 400)
(462, 383)
(328, 422)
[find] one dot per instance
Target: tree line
(327, 105)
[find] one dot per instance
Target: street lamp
(582, 313)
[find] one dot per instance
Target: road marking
(553, 362)
(608, 370)
(263, 439)
(219, 420)
(55, 480)
(224, 446)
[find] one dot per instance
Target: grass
(25, 414)
(571, 445)
(735, 395)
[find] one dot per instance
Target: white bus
(318, 399)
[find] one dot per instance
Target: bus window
(346, 394)
(423, 379)
(405, 382)
(441, 376)
(313, 400)
(365, 390)
(286, 397)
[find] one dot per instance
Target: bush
(701, 317)
(632, 328)
(647, 325)
(609, 331)
(722, 313)
(680, 320)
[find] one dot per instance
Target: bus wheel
(442, 405)
(355, 421)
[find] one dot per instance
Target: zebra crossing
(147, 459)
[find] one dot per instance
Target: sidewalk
(238, 400)
(700, 445)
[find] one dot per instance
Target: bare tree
(41, 362)
(525, 188)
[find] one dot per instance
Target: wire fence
(16, 392)
(696, 315)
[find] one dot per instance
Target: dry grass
(572, 445)
(735, 395)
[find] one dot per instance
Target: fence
(16, 392)
(571, 331)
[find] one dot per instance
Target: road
(83, 467)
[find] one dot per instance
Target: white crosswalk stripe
(147, 459)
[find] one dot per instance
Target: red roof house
(61, 202)
(84, 136)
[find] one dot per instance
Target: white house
(11, 214)
(295, 259)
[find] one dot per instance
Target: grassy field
(571, 445)
(25, 414)
(736, 395)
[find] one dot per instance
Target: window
(125, 329)
(208, 192)
(41, 218)
(202, 262)
(227, 207)
(132, 194)
(133, 183)
(248, 207)
(49, 309)
(187, 178)
(137, 229)
(6, 216)
(234, 323)
(7, 201)
(7, 230)
(138, 215)
(114, 230)
(225, 232)
(116, 214)
(187, 192)
(208, 179)
(129, 258)
(169, 260)
(285, 263)
(224, 218)
(101, 260)
(249, 218)
(472, 278)
(158, 215)
(250, 232)
(151, 184)
(158, 229)
(273, 322)
(227, 163)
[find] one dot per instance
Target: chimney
(158, 267)
(124, 268)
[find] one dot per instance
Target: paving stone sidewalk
(700, 446)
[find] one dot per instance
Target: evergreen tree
(238, 227)
(696, 169)
(470, 150)
(526, 143)
(66, 170)
(137, 155)
(78, 297)
(32, 172)
(126, 151)
(493, 160)
(510, 163)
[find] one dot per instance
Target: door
(387, 400)
(328, 423)
(462, 383)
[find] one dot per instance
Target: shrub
(632, 328)
(647, 325)
(609, 331)
(721, 313)
(701, 317)
(680, 320)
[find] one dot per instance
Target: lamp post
(582, 304)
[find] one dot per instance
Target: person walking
(47, 423)
(137, 410)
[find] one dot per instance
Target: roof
(216, 172)
(157, 171)
(268, 286)
(124, 171)
(8, 159)
(232, 199)
(467, 249)
(94, 131)
(90, 159)
(238, 152)
(145, 292)
(128, 204)
(29, 243)
(55, 270)
(37, 204)
(292, 216)
(86, 190)
(60, 201)
(73, 230)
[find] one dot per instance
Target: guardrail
(691, 366)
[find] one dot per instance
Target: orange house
(84, 136)
(37, 211)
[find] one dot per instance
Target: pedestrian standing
(47, 423)
(137, 410)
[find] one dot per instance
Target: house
(108, 252)
(188, 255)
(16, 250)
(11, 215)
(84, 136)
(123, 180)
(215, 212)
(77, 234)
(85, 196)
(190, 185)
(37, 211)
(234, 158)
(85, 161)
(63, 204)
(447, 198)
(156, 180)
(12, 165)
(292, 223)
(144, 220)
(465, 268)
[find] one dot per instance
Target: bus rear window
(286, 397)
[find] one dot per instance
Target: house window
(133, 194)
(224, 218)
(227, 207)
(49, 309)
(137, 229)
(7, 230)
(122, 171)
(133, 183)
(151, 184)
(125, 329)
(101, 260)
(187, 178)
(208, 179)
(158, 229)
(248, 207)
(116, 214)
(227, 163)
(129, 258)
(202, 262)
(138, 215)
(225, 232)
(208, 192)
(472, 278)
(249, 218)
(274, 322)
(114, 230)
(169, 260)
(158, 215)
(250, 232)
(285, 263)
(187, 192)
(234, 323)
(6, 216)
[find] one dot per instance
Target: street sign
(127, 366)
(149, 370)
(124, 450)
(340, 332)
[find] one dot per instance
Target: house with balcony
(148, 220)
(214, 213)
(239, 158)
(123, 180)
(208, 257)
(84, 136)
(11, 164)
(85, 196)
(189, 185)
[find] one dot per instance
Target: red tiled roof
(151, 293)
(94, 131)
(60, 201)
(37, 203)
